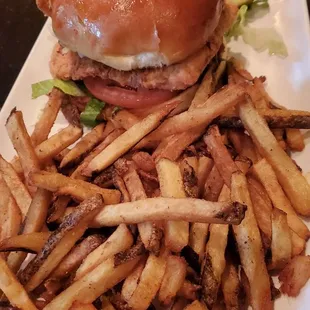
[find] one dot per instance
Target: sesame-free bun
(132, 34)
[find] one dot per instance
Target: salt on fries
(110, 223)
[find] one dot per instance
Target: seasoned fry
(281, 245)
(93, 284)
(171, 186)
(13, 290)
(250, 247)
(196, 305)
(266, 175)
(124, 119)
(119, 241)
(86, 144)
(105, 304)
(136, 250)
(11, 217)
(189, 290)
(171, 209)
(295, 275)
(18, 189)
(298, 244)
(198, 237)
(150, 281)
(204, 167)
(120, 185)
(31, 243)
(131, 282)
(22, 144)
(173, 279)
(60, 243)
(127, 140)
(76, 256)
(46, 121)
(295, 140)
(291, 179)
(213, 185)
(79, 189)
(58, 208)
(189, 169)
(82, 306)
(144, 161)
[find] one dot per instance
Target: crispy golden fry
(250, 247)
(147, 230)
(295, 140)
(79, 189)
(213, 185)
(82, 306)
(119, 241)
(189, 169)
(144, 161)
(132, 281)
(46, 121)
(298, 244)
(120, 185)
(76, 256)
(105, 304)
(226, 98)
(173, 279)
(13, 290)
(127, 140)
(231, 286)
(11, 218)
(86, 144)
(18, 189)
(204, 167)
(58, 208)
(281, 245)
(93, 284)
(196, 305)
(222, 159)
(214, 262)
(295, 275)
(60, 243)
(150, 281)
(279, 135)
(60, 156)
(243, 144)
(22, 144)
(262, 208)
(31, 243)
(198, 237)
(171, 186)
(291, 179)
(275, 118)
(171, 209)
(266, 175)
(124, 119)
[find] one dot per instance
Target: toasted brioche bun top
(132, 34)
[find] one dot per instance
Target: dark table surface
(20, 24)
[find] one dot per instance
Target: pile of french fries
(191, 204)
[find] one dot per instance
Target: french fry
(267, 176)
(295, 275)
(58, 209)
(281, 245)
(291, 179)
(22, 144)
(11, 218)
(93, 284)
(213, 185)
(120, 185)
(214, 262)
(231, 286)
(250, 247)
(204, 167)
(295, 140)
(76, 256)
(132, 281)
(298, 244)
(13, 290)
(30, 243)
(105, 304)
(86, 144)
(189, 290)
(227, 98)
(222, 159)
(124, 119)
(18, 189)
(79, 189)
(197, 238)
(127, 140)
(46, 121)
(119, 241)
(149, 232)
(279, 135)
(60, 243)
(189, 168)
(179, 304)
(82, 306)
(173, 279)
(171, 186)
(150, 281)
(144, 161)
(196, 305)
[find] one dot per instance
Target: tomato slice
(126, 98)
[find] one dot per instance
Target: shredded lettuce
(91, 112)
(45, 87)
(260, 39)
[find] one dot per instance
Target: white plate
(288, 83)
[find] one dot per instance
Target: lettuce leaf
(91, 112)
(260, 39)
(45, 87)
